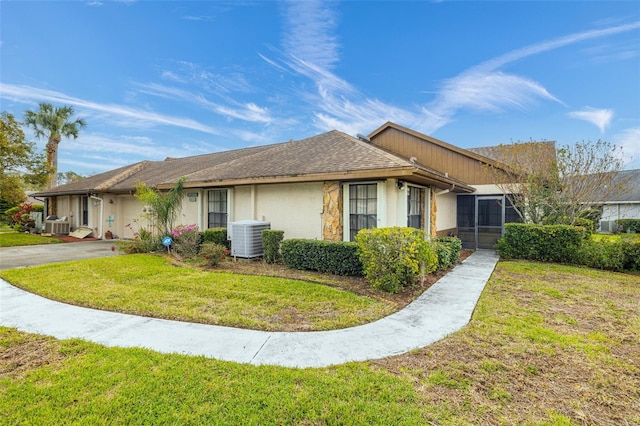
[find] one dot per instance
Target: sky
(158, 79)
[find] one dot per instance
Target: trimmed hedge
(339, 258)
(271, 240)
(617, 255)
(215, 235)
(628, 226)
(448, 250)
(545, 243)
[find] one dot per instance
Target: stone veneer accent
(432, 216)
(332, 229)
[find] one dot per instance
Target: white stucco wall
(620, 211)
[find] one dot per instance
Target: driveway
(14, 257)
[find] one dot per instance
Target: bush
(215, 235)
(545, 243)
(144, 242)
(339, 258)
(602, 254)
(271, 240)
(628, 226)
(631, 252)
(186, 240)
(396, 257)
(213, 253)
(448, 251)
(20, 215)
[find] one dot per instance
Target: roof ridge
(127, 173)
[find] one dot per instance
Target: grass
(547, 345)
(149, 285)
(14, 239)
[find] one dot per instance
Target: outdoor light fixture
(400, 184)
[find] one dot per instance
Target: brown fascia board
(461, 151)
(408, 172)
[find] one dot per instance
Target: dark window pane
(217, 208)
(363, 208)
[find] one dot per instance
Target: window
(217, 208)
(84, 211)
(363, 208)
(415, 207)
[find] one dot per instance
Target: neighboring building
(326, 187)
(622, 201)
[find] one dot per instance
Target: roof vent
(363, 138)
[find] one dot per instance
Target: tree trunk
(52, 161)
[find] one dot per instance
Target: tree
(164, 205)
(549, 186)
(53, 123)
(68, 177)
(21, 165)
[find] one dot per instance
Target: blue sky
(157, 79)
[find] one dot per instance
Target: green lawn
(149, 285)
(547, 345)
(14, 239)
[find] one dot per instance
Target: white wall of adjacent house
(611, 212)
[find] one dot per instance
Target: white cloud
(247, 112)
(309, 35)
(599, 117)
(483, 91)
(629, 141)
(136, 117)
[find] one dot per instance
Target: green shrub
(144, 242)
(601, 254)
(215, 235)
(631, 250)
(448, 250)
(395, 257)
(213, 253)
(339, 258)
(628, 226)
(545, 243)
(271, 240)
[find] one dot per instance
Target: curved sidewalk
(443, 309)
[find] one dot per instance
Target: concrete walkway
(443, 309)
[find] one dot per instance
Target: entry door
(489, 220)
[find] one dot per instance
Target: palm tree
(53, 123)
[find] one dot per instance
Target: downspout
(93, 197)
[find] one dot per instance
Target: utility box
(246, 238)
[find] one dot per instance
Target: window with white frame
(363, 207)
(217, 210)
(415, 207)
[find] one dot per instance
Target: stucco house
(327, 186)
(622, 201)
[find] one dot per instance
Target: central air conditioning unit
(246, 238)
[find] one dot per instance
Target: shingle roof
(331, 153)
(625, 190)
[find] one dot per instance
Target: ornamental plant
(186, 240)
(393, 258)
(213, 253)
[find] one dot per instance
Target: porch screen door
(489, 219)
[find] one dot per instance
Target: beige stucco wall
(446, 205)
(295, 209)
(487, 190)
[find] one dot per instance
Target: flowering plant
(185, 240)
